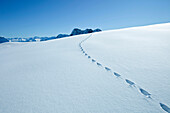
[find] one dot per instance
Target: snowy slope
(57, 77)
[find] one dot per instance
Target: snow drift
(106, 72)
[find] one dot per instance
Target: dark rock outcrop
(97, 30)
(87, 31)
(77, 31)
(2, 40)
(62, 35)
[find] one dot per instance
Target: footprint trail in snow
(129, 82)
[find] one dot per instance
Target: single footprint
(89, 57)
(130, 82)
(99, 64)
(116, 74)
(164, 107)
(108, 69)
(93, 60)
(85, 54)
(144, 92)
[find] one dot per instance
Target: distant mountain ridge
(75, 31)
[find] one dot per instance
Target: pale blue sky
(26, 18)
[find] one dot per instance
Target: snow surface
(56, 76)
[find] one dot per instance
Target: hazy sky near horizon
(27, 18)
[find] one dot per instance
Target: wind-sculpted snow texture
(55, 77)
(166, 30)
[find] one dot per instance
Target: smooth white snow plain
(56, 77)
